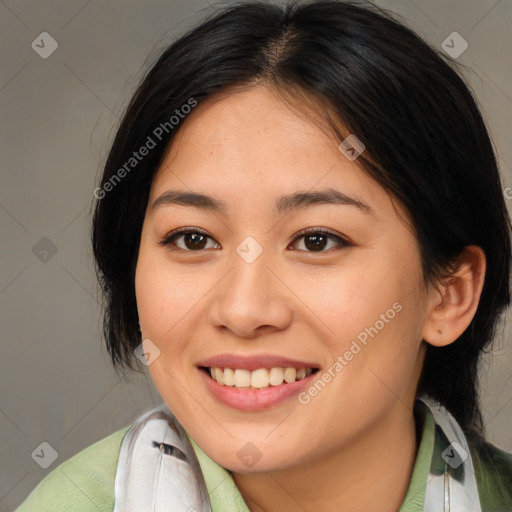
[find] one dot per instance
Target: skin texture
(249, 148)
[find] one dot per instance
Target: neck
(371, 473)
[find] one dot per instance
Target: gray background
(58, 117)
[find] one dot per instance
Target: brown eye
(315, 240)
(193, 239)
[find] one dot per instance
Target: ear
(453, 305)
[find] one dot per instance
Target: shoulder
(82, 483)
(493, 470)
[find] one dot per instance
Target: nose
(251, 300)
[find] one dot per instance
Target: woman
(300, 230)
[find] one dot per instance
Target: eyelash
(171, 237)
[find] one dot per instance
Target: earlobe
(454, 303)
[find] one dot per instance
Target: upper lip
(254, 362)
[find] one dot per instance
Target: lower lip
(254, 399)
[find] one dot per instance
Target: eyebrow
(284, 204)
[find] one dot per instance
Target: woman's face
(347, 306)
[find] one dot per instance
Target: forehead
(254, 122)
(251, 143)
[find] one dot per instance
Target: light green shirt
(85, 482)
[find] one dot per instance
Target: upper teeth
(260, 378)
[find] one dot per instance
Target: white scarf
(158, 470)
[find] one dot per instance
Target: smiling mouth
(257, 379)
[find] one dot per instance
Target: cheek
(165, 300)
(374, 317)
(165, 294)
(353, 301)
